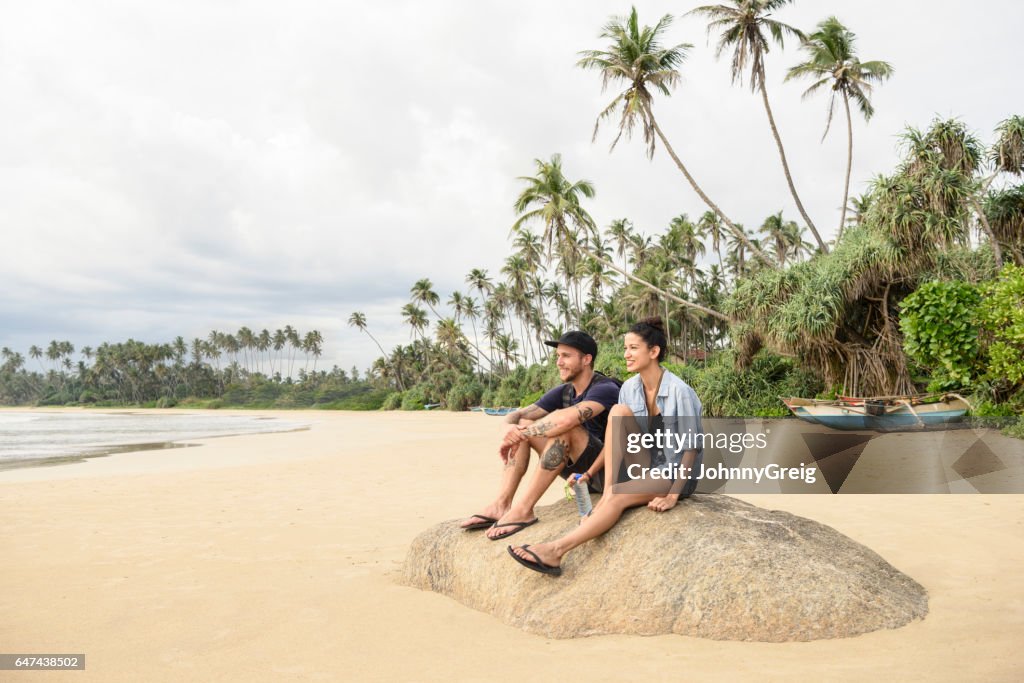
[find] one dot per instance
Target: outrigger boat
(881, 413)
(499, 411)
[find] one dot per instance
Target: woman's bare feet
(545, 551)
(663, 503)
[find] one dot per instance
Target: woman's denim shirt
(679, 406)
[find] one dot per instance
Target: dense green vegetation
(920, 290)
(238, 370)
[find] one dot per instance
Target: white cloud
(170, 169)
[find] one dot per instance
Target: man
(565, 427)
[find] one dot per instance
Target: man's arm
(563, 420)
(530, 412)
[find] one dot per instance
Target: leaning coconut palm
(743, 25)
(833, 60)
(358, 320)
(550, 198)
(636, 58)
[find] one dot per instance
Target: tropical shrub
(464, 394)
(940, 332)
(414, 398)
(1001, 318)
(393, 401)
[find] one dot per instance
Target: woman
(652, 401)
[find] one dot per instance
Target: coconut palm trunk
(785, 164)
(849, 164)
(707, 200)
(658, 290)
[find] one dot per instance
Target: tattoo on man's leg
(511, 462)
(555, 455)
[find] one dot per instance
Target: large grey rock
(712, 567)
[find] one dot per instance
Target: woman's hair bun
(656, 322)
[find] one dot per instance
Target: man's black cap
(578, 340)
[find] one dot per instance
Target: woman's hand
(663, 503)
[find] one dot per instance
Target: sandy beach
(273, 557)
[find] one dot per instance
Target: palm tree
(689, 244)
(857, 207)
(451, 339)
(36, 353)
(619, 231)
(263, 343)
(416, 318)
(831, 59)
(294, 344)
(550, 198)
(472, 311)
(517, 273)
(479, 279)
(423, 291)
(635, 56)
(279, 341)
(507, 349)
(711, 225)
(743, 25)
(774, 230)
(358, 320)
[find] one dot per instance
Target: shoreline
(74, 456)
(239, 560)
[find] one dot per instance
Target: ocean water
(30, 438)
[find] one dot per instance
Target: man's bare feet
(514, 516)
(490, 514)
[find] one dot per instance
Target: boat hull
(847, 416)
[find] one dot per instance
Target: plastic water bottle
(582, 494)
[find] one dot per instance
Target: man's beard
(571, 377)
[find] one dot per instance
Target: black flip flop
(537, 565)
(485, 524)
(519, 526)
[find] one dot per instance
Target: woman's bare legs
(616, 499)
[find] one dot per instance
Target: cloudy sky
(172, 168)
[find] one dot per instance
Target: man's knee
(556, 454)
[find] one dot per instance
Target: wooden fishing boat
(881, 413)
